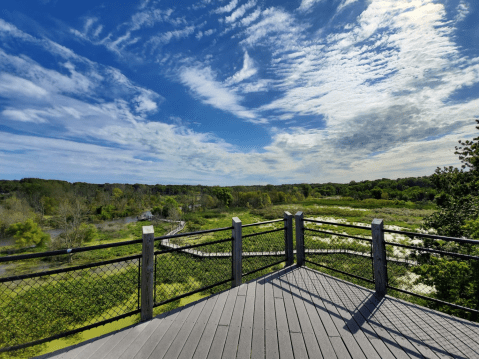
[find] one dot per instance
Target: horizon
(254, 92)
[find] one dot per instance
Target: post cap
(148, 229)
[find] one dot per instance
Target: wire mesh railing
(189, 268)
(39, 303)
(338, 254)
(441, 273)
(263, 250)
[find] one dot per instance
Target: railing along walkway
(292, 313)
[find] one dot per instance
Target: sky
(235, 92)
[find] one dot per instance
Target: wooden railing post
(237, 255)
(299, 239)
(288, 238)
(379, 257)
(147, 273)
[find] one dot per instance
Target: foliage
(170, 207)
(28, 233)
(224, 195)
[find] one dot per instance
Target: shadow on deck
(292, 313)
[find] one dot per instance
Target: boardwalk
(293, 313)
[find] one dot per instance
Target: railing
(439, 272)
(50, 304)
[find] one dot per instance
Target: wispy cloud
(247, 71)
(239, 12)
(227, 8)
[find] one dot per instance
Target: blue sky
(235, 92)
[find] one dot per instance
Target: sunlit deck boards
(293, 313)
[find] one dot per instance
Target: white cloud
(202, 82)
(239, 12)
(345, 3)
(227, 8)
(462, 11)
(251, 17)
(306, 5)
(247, 71)
(13, 85)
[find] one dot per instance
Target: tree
(169, 207)
(28, 233)
(224, 195)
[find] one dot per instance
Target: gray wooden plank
(441, 333)
(251, 288)
(160, 332)
(93, 347)
(217, 346)
(70, 353)
(319, 330)
(446, 327)
(245, 340)
(292, 315)
(420, 329)
(396, 318)
(352, 325)
(309, 336)
(271, 335)
(346, 335)
(284, 337)
(367, 310)
(364, 333)
(179, 341)
(242, 289)
(206, 340)
(122, 346)
(140, 340)
(299, 347)
(231, 344)
(219, 337)
(191, 343)
(277, 290)
(112, 342)
(229, 306)
(306, 283)
(258, 344)
(340, 348)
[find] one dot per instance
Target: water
(7, 242)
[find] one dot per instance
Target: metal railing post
(299, 239)
(147, 273)
(288, 238)
(379, 257)
(237, 255)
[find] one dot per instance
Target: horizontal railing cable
(67, 251)
(260, 223)
(64, 270)
(340, 271)
(425, 249)
(336, 224)
(432, 236)
(262, 268)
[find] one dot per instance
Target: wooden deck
(293, 313)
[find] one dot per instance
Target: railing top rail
(67, 251)
(193, 233)
(449, 239)
(260, 223)
(336, 224)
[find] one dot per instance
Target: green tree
(28, 233)
(224, 195)
(170, 206)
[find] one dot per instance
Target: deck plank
(191, 343)
(257, 345)
(231, 344)
(271, 333)
(348, 339)
(206, 340)
(245, 340)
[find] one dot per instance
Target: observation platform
(291, 313)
